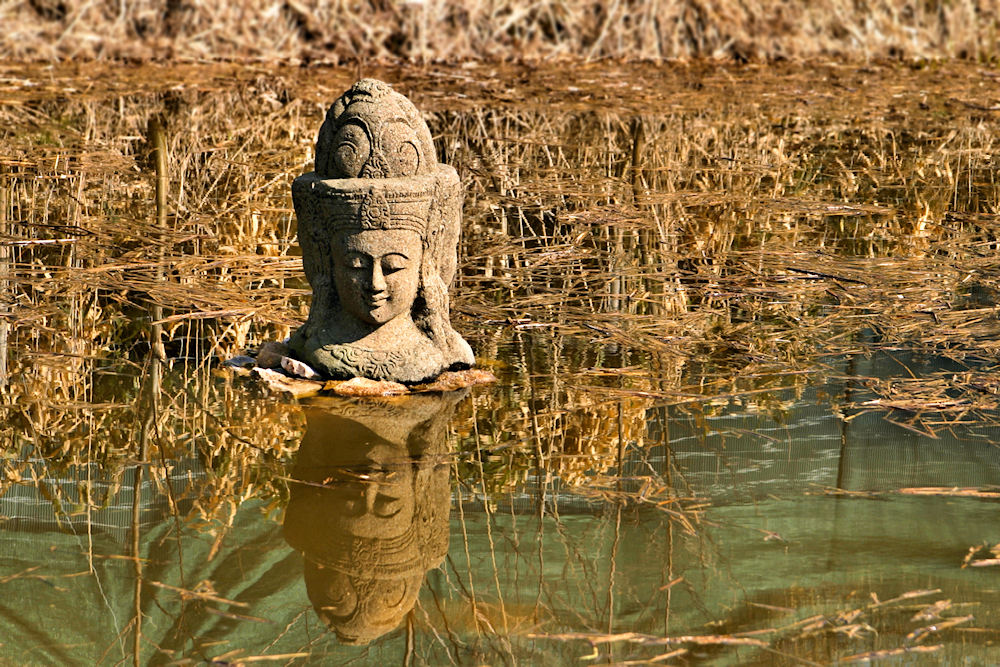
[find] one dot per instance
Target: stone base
(280, 379)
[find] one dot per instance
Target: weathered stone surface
(283, 384)
(367, 387)
(453, 380)
(369, 507)
(379, 221)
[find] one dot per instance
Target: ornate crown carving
(359, 204)
(379, 209)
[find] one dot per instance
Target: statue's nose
(371, 492)
(378, 279)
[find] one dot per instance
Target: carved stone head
(379, 221)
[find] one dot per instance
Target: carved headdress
(372, 131)
(376, 168)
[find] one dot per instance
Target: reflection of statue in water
(379, 221)
(369, 508)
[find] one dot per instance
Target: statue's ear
(429, 269)
(447, 210)
(324, 148)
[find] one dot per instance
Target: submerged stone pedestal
(379, 221)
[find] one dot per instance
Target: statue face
(377, 273)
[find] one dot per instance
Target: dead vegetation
(777, 645)
(438, 30)
(633, 259)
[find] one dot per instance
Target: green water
(521, 567)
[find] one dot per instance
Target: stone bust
(379, 221)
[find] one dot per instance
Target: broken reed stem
(157, 138)
(6, 253)
(149, 399)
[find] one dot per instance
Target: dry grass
(439, 30)
(615, 260)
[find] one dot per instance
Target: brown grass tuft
(422, 31)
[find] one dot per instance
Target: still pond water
(743, 323)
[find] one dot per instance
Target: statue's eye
(394, 262)
(387, 507)
(352, 150)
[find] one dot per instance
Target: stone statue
(369, 507)
(379, 221)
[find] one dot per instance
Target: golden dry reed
(621, 252)
(446, 30)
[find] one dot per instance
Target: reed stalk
(5, 271)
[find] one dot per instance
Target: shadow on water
(747, 351)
